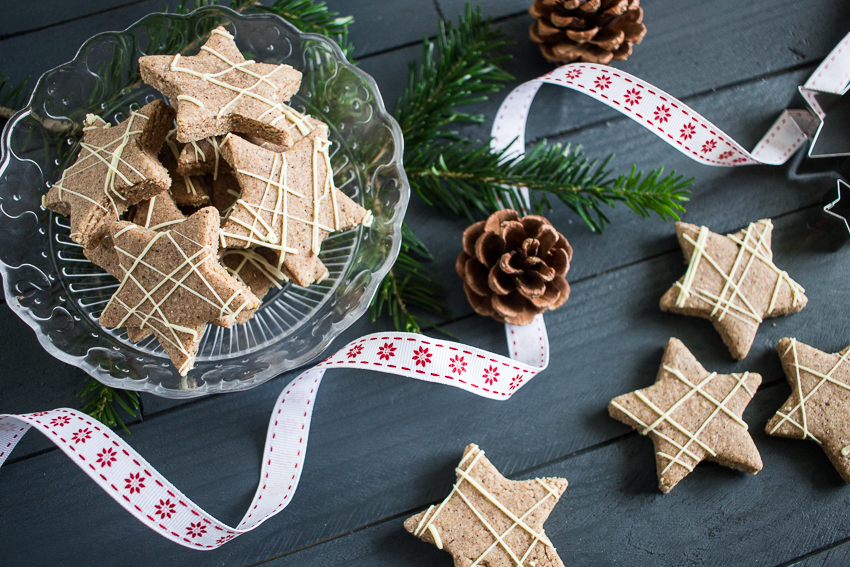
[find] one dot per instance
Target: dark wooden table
(383, 448)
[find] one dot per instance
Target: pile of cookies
(200, 220)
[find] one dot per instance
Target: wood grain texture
(383, 447)
(613, 514)
(608, 341)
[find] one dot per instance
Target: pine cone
(512, 268)
(593, 31)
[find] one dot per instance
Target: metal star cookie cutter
(838, 210)
(829, 139)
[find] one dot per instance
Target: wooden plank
(607, 341)
(612, 513)
(381, 25)
(27, 17)
(834, 555)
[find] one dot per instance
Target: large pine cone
(512, 268)
(593, 31)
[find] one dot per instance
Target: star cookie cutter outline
(827, 209)
(819, 103)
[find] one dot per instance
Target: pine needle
(99, 402)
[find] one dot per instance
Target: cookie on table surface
(489, 520)
(692, 415)
(288, 203)
(173, 283)
(117, 167)
(186, 190)
(732, 281)
(218, 91)
(819, 406)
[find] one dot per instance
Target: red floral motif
(196, 529)
(457, 364)
(573, 74)
(8, 426)
(421, 356)
(602, 82)
(709, 146)
(135, 482)
(515, 382)
(224, 539)
(687, 132)
(726, 155)
(387, 351)
(60, 421)
(106, 457)
(355, 351)
(490, 374)
(662, 113)
(81, 435)
(632, 97)
(165, 509)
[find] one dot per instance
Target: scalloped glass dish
(53, 288)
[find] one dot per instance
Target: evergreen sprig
(472, 181)
(462, 68)
(99, 401)
(408, 286)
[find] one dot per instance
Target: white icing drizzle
(249, 256)
(112, 158)
(264, 233)
(187, 180)
(801, 405)
(427, 521)
(721, 305)
(155, 310)
(191, 99)
(285, 111)
(200, 156)
(693, 437)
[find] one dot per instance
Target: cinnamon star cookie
(819, 405)
(186, 190)
(117, 167)
(692, 415)
(732, 281)
(219, 91)
(172, 282)
(489, 520)
(288, 204)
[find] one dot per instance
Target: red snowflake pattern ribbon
(672, 120)
(137, 486)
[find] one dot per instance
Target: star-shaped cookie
(117, 167)
(489, 520)
(692, 415)
(288, 203)
(173, 283)
(732, 281)
(218, 91)
(819, 405)
(186, 190)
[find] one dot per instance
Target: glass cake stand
(56, 291)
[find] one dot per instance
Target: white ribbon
(141, 490)
(137, 486)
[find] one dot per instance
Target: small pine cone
(512, 268)
(593, 31)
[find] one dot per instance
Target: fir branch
(408, 286)
(470, 180)
(12, 98)
(461, 69)
(99, 402)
